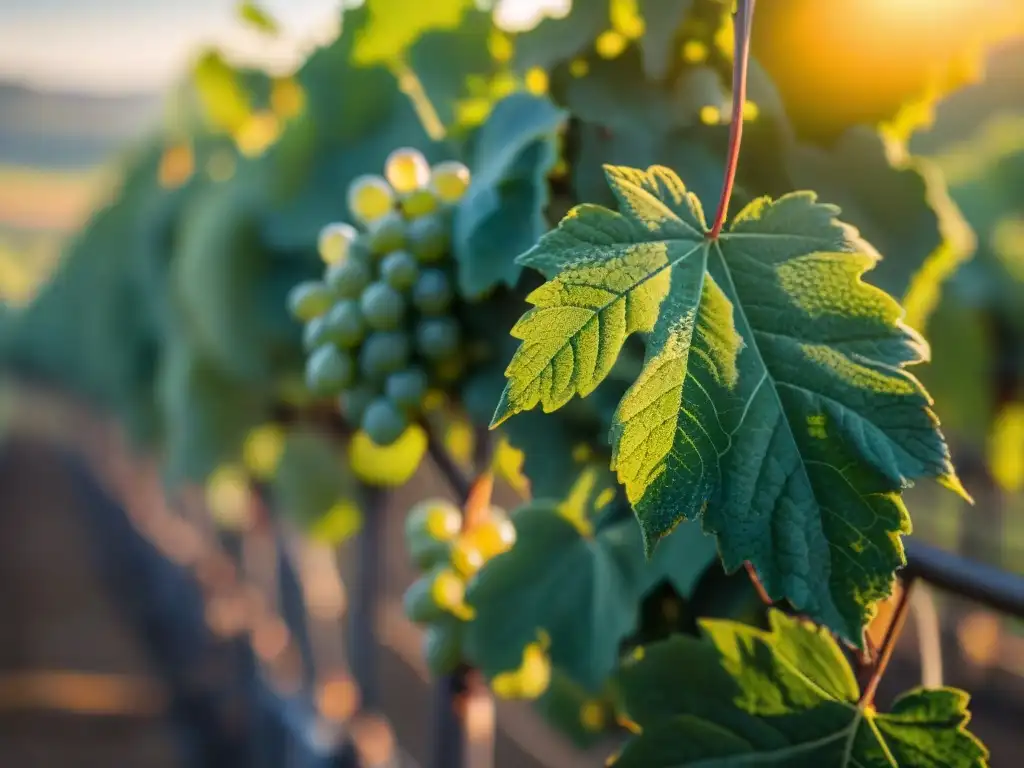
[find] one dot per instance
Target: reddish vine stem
(742, 20)
(892, 634)
(756, 581)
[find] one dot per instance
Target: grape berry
(447, 557)
(379, 327)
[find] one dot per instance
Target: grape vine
(687, 308)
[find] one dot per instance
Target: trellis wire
(169, 634)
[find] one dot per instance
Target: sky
(132, 45)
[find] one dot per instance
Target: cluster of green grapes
(380, 326)
(448, 557)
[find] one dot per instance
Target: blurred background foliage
(147, 241)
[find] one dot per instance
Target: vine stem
(743, 18)
(892, 634)
(462, 694)
(756, 581)
(460, 485)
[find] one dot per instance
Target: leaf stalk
(892, 634)
(743, 19)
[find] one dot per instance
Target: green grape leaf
(614, 93)
(222, 93)
(990, 194)
(394, 25)
(345, 101)
(662, 19)
(446, 61)
(682, 558)
(320, 201)
(962, 355)
(562, 579)
(551, 462)
(206, 413)
(258, 18)
(683, 150)
(502, 212)
(785, 697)
(900, 205)
(311, 479)
(621, 118)
(229, 285)
(774, 403)
(548, 460)
(556, 40)
(575, 711)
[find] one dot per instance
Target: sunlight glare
(522, 15)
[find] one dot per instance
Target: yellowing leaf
(611, 44)
(394, 26)
(224, 98)
(257, 133)
(458, 441)
(626, 19)
(263, 449)
(594, 715)
(229, 498)
(532, 677)
(508, 465)
(1006, 448)
(389, 466)
(176, 166)
(340, 523)
(287, 98)
(257, 17)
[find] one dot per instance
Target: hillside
(55, 130)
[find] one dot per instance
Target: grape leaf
(774, 403)
(991, 196)
(682, 558)
(258, 18)
(614, 93)
(621, 118)
(344, 100)
(547, 453)
(394, 25)
(295, 224)
(662, 19)
(311, 478)
(576, 585)
(226, 102)
(445, 61)
(229, 285)
(555, 40)
(899, 204)
(502, 212)
(786, 697)
(549, 459)
(206, 413)
(964, 354)
(574, 710)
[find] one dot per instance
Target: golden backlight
(839, 62)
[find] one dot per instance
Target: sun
(846, 62)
